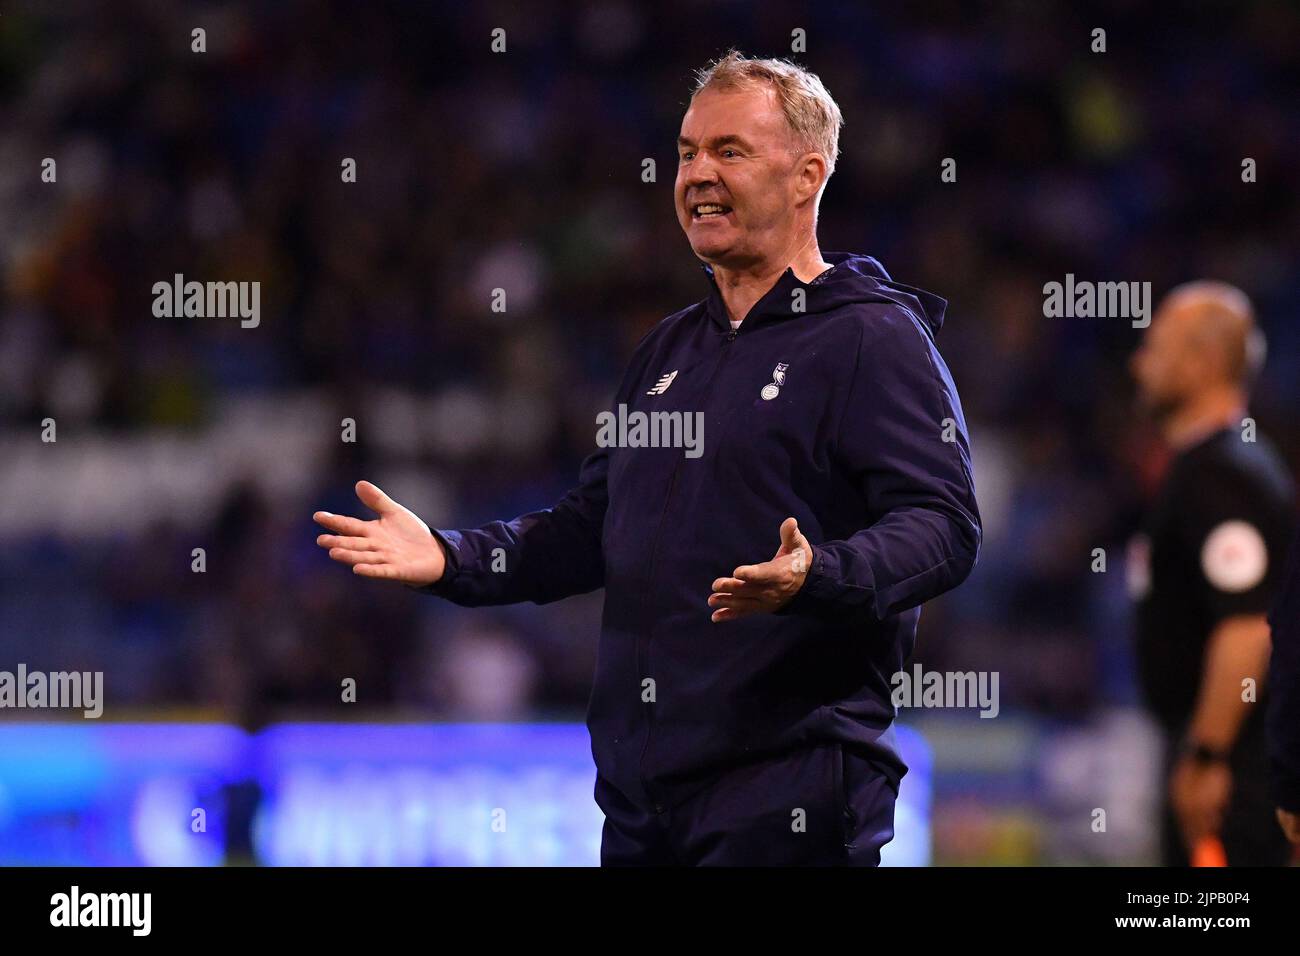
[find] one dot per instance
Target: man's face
(1166, 366)
(735, 151)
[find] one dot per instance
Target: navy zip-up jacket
(863, 442)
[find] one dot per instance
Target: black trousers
(820, 805)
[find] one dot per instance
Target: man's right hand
(396, 546)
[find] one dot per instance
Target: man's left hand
(767, 587)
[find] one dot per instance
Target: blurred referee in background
(1206, 569)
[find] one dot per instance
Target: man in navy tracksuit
(740, 711)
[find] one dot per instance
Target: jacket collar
(774, 303)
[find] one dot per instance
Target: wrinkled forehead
(752, 112)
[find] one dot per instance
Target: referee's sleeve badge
(1234, 557)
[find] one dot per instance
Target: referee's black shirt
(1213, 547)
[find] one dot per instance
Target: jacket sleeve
(1283, 691)
(545, 555)
(903, 441)
(541, 556)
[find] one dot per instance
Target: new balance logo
(662, 385)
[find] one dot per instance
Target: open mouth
(708, 210)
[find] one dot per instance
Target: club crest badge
(773, 388)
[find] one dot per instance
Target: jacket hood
(852, 278)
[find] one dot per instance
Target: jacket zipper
(656, 798)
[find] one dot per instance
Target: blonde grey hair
(813, 115)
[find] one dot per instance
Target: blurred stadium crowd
(522, 171)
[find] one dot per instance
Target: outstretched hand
(767, 587)
(396, 546)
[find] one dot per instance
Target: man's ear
(811, 176)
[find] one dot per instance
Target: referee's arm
(1238, 535)
(1237, 649)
